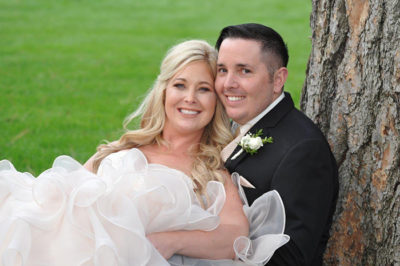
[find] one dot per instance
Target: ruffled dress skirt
(70, 216)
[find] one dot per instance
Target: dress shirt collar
(253, 121)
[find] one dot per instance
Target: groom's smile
(243, 82)
(235, 98)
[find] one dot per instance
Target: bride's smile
(190, 99)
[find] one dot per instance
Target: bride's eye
(179, 85)
(204, 89)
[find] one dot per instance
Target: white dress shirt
(253, 121)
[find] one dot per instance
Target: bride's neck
(181, 142)
(177, 154)
(181, 147)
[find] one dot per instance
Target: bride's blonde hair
(207, 161)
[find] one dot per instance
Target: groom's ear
(280, 77)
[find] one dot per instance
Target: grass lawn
(70, 71)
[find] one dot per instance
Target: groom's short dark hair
(271, 41)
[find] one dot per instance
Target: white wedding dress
(70, 216)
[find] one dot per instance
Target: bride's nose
(190, 96)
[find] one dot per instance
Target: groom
(252, 71)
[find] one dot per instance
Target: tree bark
(352, 92)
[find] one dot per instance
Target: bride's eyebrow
(205, 82)
(179, 79)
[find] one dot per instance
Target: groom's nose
(230, 81)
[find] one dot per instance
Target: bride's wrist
(176, 241)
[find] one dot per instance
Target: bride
(165, 176)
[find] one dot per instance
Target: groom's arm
(215, 244)
(307, 183)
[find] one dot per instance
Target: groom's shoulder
(300, 125)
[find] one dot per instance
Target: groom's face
(243, 82)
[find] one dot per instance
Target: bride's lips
(187, 111)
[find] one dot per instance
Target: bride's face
(190, 99)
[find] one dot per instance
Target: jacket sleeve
(306, 180)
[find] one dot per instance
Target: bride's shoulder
(127, 159)
(112, 156)
(133, 152)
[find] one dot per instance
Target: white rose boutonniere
(250, 143)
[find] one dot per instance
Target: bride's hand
(164, 243)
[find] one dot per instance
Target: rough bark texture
(352, 92)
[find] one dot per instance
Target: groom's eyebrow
(236, 65)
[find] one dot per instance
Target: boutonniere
(250, 143)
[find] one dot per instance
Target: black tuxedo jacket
(300, 166)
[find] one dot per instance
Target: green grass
(70, 71)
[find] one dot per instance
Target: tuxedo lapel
(230, 164)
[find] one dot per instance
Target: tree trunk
(352, 92)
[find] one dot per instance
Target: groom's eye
(222, 70)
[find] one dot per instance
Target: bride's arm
(89, 164)
(216, 244)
